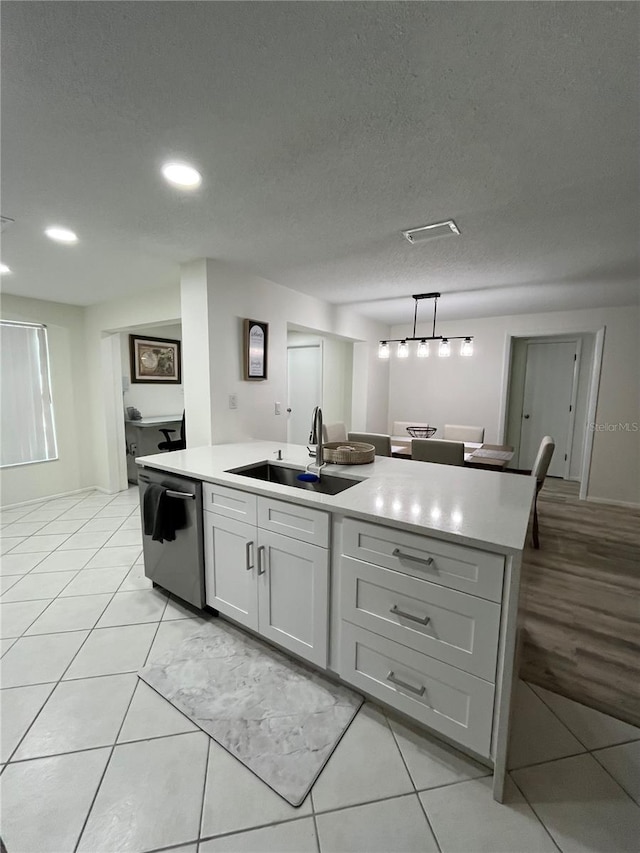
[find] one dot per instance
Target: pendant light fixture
(444, 348)
(467, 347)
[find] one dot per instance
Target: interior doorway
(304, 389)
(548, 394)
(550, 387)
(320, 373)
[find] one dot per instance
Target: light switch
(233, 401)
(277, 408)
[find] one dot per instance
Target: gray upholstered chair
(539, 471)
(434, 450)
(459, 432)
(381, 442)
(334, 432)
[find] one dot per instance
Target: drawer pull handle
(249, 555)
(419, 691)
(261, 568)
(428, 561)
(422, 620)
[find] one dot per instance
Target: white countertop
(473, 507)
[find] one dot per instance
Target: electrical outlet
(233, 401)
(277, 409)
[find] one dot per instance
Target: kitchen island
(405, 584)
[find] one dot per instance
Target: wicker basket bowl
(421, 432)
(349, 452)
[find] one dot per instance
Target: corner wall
(224, 296)
(105, 414)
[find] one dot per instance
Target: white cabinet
(231, 503)
(293, 585)
(420, 623)
(230, 549)
(456, 566)
(451, 626)
(308, 525)
(445, 698)
(275, 584)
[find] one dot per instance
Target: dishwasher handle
(183, 496)
(171, 493)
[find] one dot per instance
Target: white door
(304, 390)
(546, 409)
(230, 568)
(293, 585)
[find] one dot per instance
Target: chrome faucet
(315, 436)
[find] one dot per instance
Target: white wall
(152, 398)
(73, 470)
(105, 423)
(469, 390)
(225, 296)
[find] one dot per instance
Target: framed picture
(256, 336)
(154, 360)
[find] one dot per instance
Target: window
(26, 418)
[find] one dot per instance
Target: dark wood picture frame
(155, 361)
(255, 349)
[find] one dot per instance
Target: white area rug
(279, 718)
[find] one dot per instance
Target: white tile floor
(94, 760)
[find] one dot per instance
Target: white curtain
(26, 416)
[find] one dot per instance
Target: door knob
(526, 417)
(289, 411)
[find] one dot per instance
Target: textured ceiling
(322, 130)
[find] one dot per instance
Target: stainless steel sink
(327, 485)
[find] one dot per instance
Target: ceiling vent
(430, 232)
(5, 222)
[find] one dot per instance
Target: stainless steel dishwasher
(176, 566)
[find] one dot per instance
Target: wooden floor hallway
(580, 602)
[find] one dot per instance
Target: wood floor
(580, 602)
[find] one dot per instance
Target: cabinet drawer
(452, 702)
(232, 503)
(298, 522)
(456, 566)
(460, 629)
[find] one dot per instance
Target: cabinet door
(230, 568)
(293, 579)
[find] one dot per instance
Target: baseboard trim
(609, 502)
(70, 494)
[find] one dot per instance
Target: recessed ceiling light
(4, 269)
(182, 175)
(62, 235)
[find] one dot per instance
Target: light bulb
(383, 350)
(182, 175)
(444, 350)
(61, 235)
(4, 269)
(403, 349)
(466, 347)
(423, 350)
